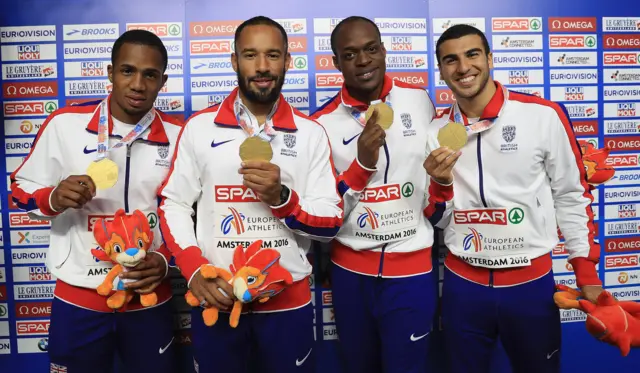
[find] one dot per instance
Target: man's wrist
(443, 182)
(166, 263)
(51, 201)
(285, 192)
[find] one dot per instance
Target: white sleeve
(317, 211)
(572, 198)
(180, 190)
(34, 181)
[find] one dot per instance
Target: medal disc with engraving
(255, 149)
(385, 115)
(104, 173)
(453, 136)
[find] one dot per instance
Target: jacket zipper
(386, 174)
(126, 180)
(482, 197)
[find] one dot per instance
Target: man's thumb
(374, 118)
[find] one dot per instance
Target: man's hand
(439, 165)
(370, 141)
(591, 293)
(149, 273)
(264, 179)
(209, 290)
(73, 192)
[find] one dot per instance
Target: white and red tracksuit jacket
(65, 146)
(386, 231)
(514, 185)
(205, 171)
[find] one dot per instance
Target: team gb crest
(163, 151)
(406, 120)
(509, 133)
(289, 140)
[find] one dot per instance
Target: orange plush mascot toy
(595, 163)
(124, 242)
(256, 275)
(609, 320)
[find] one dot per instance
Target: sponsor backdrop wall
(584, 54)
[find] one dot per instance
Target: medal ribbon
(360, 116)
(479, 126)
(250, 124)
(103, 130)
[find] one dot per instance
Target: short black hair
(336, 30)
(262, 20)
(141, 37)
(458, 31)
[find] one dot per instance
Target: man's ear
(287, 61)
(234, 61)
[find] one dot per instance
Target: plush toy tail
(234, 318)
(566, 298)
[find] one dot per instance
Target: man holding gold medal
(383, 283)
(258, 170)
(87, 162)
(520, 177)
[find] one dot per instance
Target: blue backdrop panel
(581, 53)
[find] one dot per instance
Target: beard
(261, 96)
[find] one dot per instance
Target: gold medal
(104, 173)
(385, 115)
(453, 136)
(255, 149)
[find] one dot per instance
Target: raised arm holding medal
(519, 177)
(378, 129)
(258, 170)
(88, 162)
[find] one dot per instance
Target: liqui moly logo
(29, 52)
(93, 68)
(574, 93)
(518, 77)
(626, 109)
(626, 211)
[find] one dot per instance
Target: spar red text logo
(381, 194)
(235, 193)
(485, 216)
(621, 261)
